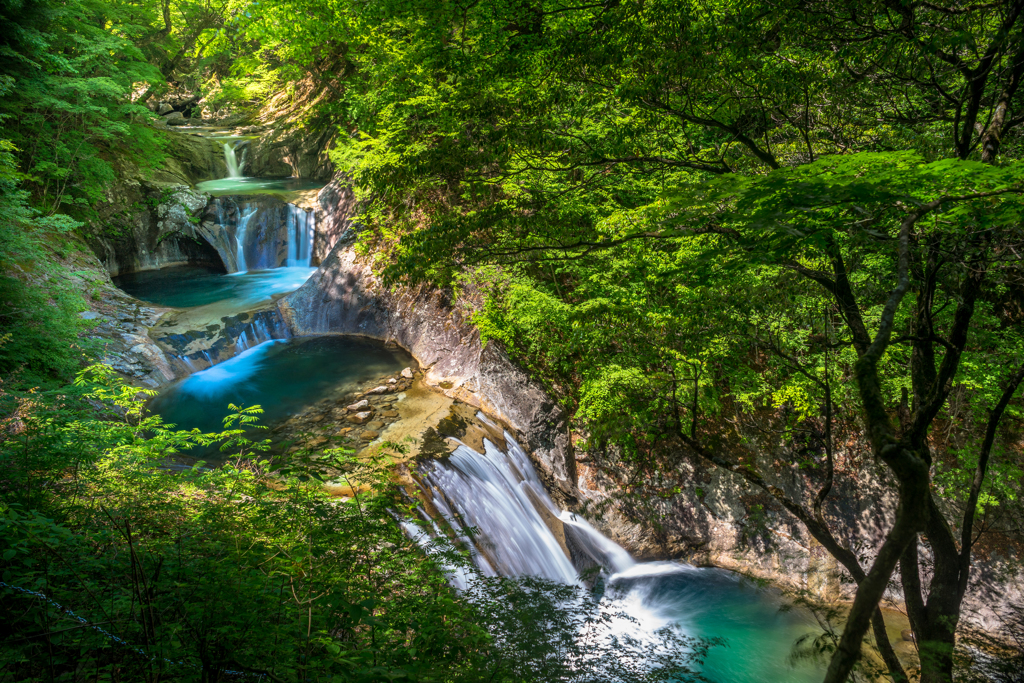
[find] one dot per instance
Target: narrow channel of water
(498, 493)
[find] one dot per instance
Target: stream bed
(283, 377)
(194, 285)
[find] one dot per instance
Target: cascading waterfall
(500, 494)
(301, 226)
(520, 531)
(234, 165)
(245, 213)
(266, 234)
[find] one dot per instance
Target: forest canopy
(691, 221)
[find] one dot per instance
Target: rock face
(168, 233)
(299, 151)
(150, 218)
(344, 297)
(336, 204)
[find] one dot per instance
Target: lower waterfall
(518, 530)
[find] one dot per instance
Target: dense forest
(701, 226)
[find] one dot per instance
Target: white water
(243, 223)
(234, 165)
(235, 370)
(301, 226)
(496, 496)
(500, 494)
(279, 224)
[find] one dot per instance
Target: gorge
(520, 343)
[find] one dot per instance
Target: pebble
(360, 418)
(369, 435)
(392, 381)
(356, 407)
(376, 424)
(378, 390)
(389, 413)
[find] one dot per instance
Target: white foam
(221, 377)
(648, 569)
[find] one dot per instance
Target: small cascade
(256, 333)
(499, 493)
(301, 226)
(263, 233)
(245, 213)
(234, 165)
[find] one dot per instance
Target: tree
(522, 137)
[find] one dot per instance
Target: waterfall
(301, 226)
(243, 222)
(234, 165)
(500, 494)
(280, 235)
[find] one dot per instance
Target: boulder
(174, 118)
(164, 108)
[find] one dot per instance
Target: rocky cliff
(702, 514)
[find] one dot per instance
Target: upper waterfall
(234, 165)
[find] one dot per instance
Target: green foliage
(244, 569)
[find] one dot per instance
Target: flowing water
(265, 233)
(283, 377)
(235, 165)
(242, 185)
(498, 492)
(189, 286)
(519, 529)
(301, 226)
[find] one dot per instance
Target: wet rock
(360, 418)
(318, 441)
(389, 413)
(378, 390)
(317, 418)
(407, 373)
(392, 381)
(358, 406)
(92, 315)
(344, 430)
(376, 424)
(369, 435)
